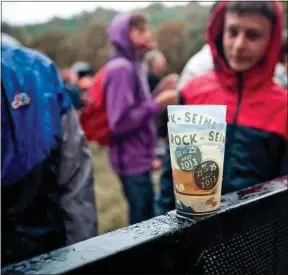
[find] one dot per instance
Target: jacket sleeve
(75, 176)
(76, 180)
(124, 114)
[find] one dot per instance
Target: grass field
(111, 204)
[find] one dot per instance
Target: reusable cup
(197, 158)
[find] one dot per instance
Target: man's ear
(132, 33)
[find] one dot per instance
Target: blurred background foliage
(179, 32)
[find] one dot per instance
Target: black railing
(248, 235)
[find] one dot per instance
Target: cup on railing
(197, 148)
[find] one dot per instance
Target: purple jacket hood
(118, 35)
(130, 108)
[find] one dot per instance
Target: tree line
(83, 38)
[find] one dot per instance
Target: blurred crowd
(48, 116)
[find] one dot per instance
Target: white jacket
(199, 63)
(280, 75)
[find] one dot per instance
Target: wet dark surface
(254, 193)
(165, 244)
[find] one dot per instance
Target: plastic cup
(197, 158)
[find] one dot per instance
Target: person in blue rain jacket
(47, 173)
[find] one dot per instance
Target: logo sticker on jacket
(20, 100)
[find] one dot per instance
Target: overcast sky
(19, 13)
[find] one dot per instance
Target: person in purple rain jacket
(131, 112)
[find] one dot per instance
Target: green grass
(111, 204)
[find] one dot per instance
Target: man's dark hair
(284, 46)
(137, 21)
(264, 8)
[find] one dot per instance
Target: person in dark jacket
(156, 67)
(47, 173)
(245, 39)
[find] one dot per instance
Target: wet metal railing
(248, 235)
